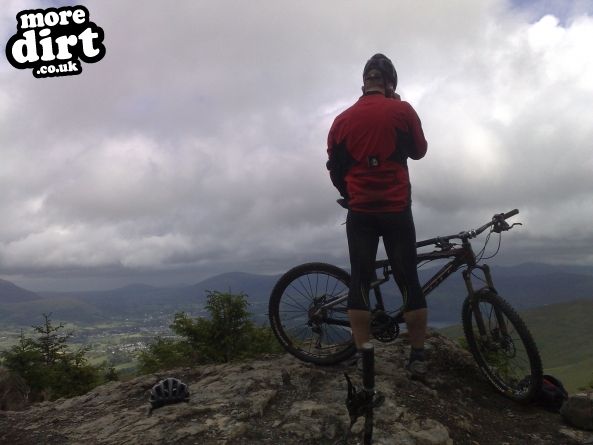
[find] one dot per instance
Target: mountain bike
(308, 312)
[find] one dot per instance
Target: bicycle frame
(460, 256)
(309, 311)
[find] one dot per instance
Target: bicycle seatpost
(368, 366)
(368, 382)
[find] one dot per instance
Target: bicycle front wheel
(502, 345)
(308, 313)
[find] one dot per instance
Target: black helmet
(552, 394)
(167, 391)
(382, 63)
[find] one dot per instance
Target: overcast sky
(197, 145)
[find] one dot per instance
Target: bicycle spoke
(308, 297)
(311, 309)
(519, 366)
(502, 346)
(296, 304)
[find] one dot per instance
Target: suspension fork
(467, 277)
(474, 300)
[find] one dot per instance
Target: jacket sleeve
(418, 145)
(338, 163)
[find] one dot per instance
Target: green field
(112, 344)
(577, 375)
(564, 336)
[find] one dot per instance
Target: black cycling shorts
(399, 238)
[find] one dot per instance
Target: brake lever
(500, 224)
(503, 226)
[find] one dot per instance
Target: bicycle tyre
(520, 380)
(293, 301)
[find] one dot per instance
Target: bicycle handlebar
(498, 220)
(511, 213)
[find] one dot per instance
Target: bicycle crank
(383, 327)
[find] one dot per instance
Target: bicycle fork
(482, 328)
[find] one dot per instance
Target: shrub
(227, 335)
(165, 353)
(47, 366)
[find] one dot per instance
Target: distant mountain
(256, 287)
(62, 309)
(531, 269)
(140, 301)
(11, 293)
(524, 286)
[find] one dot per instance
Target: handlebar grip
(511, 213)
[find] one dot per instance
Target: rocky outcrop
(578, 411)
(280, 400)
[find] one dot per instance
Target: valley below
(556, 303)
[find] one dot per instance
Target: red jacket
(368, 146)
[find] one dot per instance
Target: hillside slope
(563, 334)
(135, 301)
(280, 400)
(11, 293)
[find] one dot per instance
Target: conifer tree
(47, 365)
(227, 334)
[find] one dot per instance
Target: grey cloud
(197, 145)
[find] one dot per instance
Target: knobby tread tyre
(289, 313)
(522, 388)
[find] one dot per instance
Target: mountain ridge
(11, 293)
(524, 286)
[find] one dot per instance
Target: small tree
(51, 343)
(222, 337)
(229, 334)
(26, 361)
(48, 367)
(111, 375)
(165, 353)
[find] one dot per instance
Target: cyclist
(368, 147)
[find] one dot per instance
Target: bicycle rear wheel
(504, 349)
(308, 313)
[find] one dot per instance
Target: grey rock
(578, 411)
(282, 401)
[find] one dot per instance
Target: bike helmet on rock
(167, 391)
(382, 63)
(552, 394)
